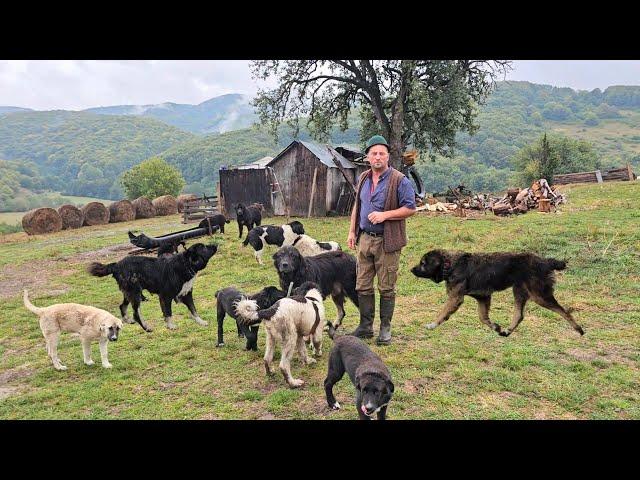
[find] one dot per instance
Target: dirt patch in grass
(34, 276)
(101, 254)
(12, 375)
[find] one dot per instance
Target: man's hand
(377, 217)
(351, 240)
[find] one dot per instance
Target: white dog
(309, 247)
(90, 322)
(289, 321)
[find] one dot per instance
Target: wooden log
(544, 205)
(41, 220)
(313, 191)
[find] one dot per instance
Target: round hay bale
(183, 198)
(143, 208)
(95, 213)
(71, 216)
(41, 220)
(165, 205)
(121, 211)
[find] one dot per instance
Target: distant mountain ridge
(216, 115)
(4, 110)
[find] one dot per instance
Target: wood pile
(518, 201)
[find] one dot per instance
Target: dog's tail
(99, 270)
(29, 305)
(556, 264)
(248, 313)
(246, 240)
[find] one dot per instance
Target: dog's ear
(391, 386)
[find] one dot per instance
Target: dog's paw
(336, 406)
(107, 365)
(311, 361)
(201, 322)
(296, 383)
(90, 362)
(171, 326)
(221, 344)
(60, 367)
(128, 320)
(431, 326)
(504, 333)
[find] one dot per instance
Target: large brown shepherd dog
(480, 274)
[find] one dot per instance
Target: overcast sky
(76, 85)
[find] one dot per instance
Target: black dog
(217, 220)
(334, 272)
(367, 372)
(170, 277)
(226, 299)
(272, 235)
(479, 275)
(247, 216)
(168, 249)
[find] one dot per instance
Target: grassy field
(461, 370)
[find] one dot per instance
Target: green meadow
(461, 370)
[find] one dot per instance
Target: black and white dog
(367, 372)
(170, 277)
(247, 216)
(227, 297)
(334, 272)
(272, 235)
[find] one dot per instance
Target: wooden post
(629, 171)
(544, 205)
(313, 191)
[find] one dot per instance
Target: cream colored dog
(310, 247)
(289, 322)
(90, 323)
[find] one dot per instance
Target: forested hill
(216, 115)
(82, 153)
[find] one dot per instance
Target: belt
(373, 234)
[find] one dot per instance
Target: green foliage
(607, 111)
(558, 154)
(556, 111)
(81, 153)
(152, 178)
(591, 119)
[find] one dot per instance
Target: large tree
(422, 103)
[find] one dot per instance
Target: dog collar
(290, 288)
(297, 239)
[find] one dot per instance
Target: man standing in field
(384, 199)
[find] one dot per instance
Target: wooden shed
(296, 168)
(246, 184)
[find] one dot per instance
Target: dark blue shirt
(374, 202)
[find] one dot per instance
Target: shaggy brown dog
(480, 274)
